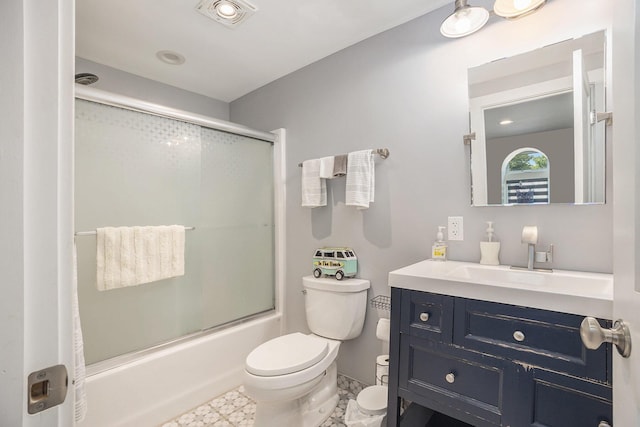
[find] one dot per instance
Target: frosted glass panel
(138, 169)
(237, 206)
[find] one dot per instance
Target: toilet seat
(286, 354)
(277, 382)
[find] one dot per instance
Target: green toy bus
(337, 262)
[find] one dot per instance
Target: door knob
(593, 335)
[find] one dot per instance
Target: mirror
(538, 137)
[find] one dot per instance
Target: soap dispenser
(490, 249)
(439, 248)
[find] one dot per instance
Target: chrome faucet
(530, 237)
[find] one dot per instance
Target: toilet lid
(286, 354)
(373, 400)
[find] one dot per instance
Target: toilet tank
(335, 309)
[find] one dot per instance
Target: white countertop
(581, 293)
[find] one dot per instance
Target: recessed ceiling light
(506, 122)
(170, 57)
(226, 10)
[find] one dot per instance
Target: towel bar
(382, 152)
(93, 233)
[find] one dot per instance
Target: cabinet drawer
(532, 336)
(561, 401)
(452, 382)
(427, 315)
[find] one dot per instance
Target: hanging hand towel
(360, 186)
(340, 165)
(326, 167)
(129, 256)
(314, 188)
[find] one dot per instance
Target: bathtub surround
(406, 89)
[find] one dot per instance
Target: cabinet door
(475, 388)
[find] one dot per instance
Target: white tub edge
(163, 385)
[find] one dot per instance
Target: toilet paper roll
(382, 369)
(530, 234)
(383, 329)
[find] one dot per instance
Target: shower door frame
(276, 137)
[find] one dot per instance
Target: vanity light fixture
(511, 9)
(465, 20)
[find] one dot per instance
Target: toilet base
(310, 410)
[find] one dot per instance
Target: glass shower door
(133, 168)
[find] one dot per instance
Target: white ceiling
(224, 63)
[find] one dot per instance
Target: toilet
(294, 378)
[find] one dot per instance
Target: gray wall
(558, 147)
(123, 83)
(406, 89)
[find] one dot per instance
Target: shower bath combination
(136, 168)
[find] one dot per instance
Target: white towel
(360, 186)
(314, 188)
(326, 167)
(129, 256)
(79, 368)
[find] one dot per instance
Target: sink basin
(575, 292)
(567, 281)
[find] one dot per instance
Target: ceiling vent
(230, 13)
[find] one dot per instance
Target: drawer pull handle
(450, 377)
(424, 316)
(604, 424)
(518, 336)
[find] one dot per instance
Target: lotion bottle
(490, 249)
(439, 248)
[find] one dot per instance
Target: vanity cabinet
(493, 364)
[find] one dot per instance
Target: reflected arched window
(525, 177)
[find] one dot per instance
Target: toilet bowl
(293, 378)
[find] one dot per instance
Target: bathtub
(164, 383)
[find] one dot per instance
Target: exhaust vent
(230, 13)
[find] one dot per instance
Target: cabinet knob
(604, 424)
(450, 377)
(424, 316)
(518, 336)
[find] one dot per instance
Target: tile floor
(236, 409)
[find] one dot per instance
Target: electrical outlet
(455, 228)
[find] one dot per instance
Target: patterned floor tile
(236, 409)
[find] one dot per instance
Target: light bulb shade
(516, 8)
(464, 21)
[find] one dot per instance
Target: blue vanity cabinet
(491, 364)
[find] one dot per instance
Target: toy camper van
(338, 262)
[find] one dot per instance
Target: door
(36, 140)
(626, 204)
